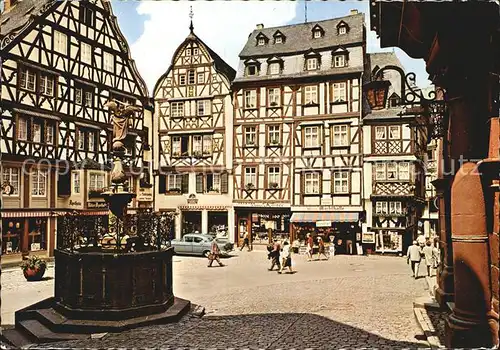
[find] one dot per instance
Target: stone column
(468, 325)
(204, 221)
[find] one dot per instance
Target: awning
(325, 216)
(25, 214)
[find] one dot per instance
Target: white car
(199, 244)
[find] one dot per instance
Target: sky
(154, 29)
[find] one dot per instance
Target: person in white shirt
(286, 257)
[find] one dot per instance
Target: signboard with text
(323, 223)
(145, 194)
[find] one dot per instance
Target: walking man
(275, 255)
(214, 254)
(413, 256)
(246, 242)
(428, 256)
(309, 247)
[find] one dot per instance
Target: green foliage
(33, 263)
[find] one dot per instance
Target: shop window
(37, 236)
(12, 232)
(10, 177)
(191, 222)
(218, 223)
(389, 241)
(341, 182)
(312, 183)
(39, 183)
(340, 135)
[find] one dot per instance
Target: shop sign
(145, 194)
(368, 237)
(7, 189)
(253, 204)
(192, 199)
(326, 201)
(97, 205)
(323, 223)
(75, 203)
(328, 208)
(35, 246)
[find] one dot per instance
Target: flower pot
(34, 274)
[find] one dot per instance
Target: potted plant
(250, 186)
(207, 152)
(176, 154)
(197, 154)
(273, 185)
(213, 190)
(274, 142)
(34, 268)
(96, 193)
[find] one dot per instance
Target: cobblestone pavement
(345, 302)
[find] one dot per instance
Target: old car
(199, 244)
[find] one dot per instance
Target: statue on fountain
(120, 112)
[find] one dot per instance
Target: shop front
(25, 233)
(339, 228)
(204, 219)
(262, 225)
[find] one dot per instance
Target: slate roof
(299, 37)
(383, 59)
(19, 14)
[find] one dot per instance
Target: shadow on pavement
(259, 331)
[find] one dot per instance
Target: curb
(420, 307)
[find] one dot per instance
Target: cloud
(223, 25)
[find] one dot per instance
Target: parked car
(199, 244)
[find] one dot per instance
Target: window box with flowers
(174, 190)
(176, 154)
(197, 154)
(249, 187)
(207, 153)
(273, 185)
(214, 190)
(250, 144)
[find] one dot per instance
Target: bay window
(392, 171)
(380, 171)
(96, 182)
(380, 133)
(404, 171)
(394, 132)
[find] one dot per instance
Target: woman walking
(309, 247)
(214, 254)
(321, 249)
(286, 257)
(428, 257)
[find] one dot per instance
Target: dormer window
(251, 70)
(342, 28)
(312, 63)
(317, 34)
(339, 61)
(278, 40)
(261, 42)
(274, 68)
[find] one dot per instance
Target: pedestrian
(427, 252)
(321, 249)
(421, 240)
(413, 256)
(332, 247)
(275, 255)
(309, 247)
(214, 254)
(286, 257)
(436, 254)
(246, 242)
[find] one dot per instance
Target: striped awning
(325, 216)
(25, 214)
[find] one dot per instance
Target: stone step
(56, 322)
(42, 334)
(16, 338)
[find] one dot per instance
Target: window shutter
(199, 183)
(185, 183)
(64, 184)
(162, 184)
(223, 182)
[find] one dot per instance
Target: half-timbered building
(296, 130)
(193, 148)
(395, 145)
(430, 215)
(61, 62)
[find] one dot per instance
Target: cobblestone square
(345, 302)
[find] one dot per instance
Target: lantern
(376, 93)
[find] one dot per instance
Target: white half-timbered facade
(61, 62)
(193, 158)
(297, 152)
(394, 151)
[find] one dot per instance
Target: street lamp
(432, 108)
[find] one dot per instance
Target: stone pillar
(204, 221)
(178, 225)
(468, 325)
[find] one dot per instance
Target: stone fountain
(108, 277)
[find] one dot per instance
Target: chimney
(354, 12)
(260, 26)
